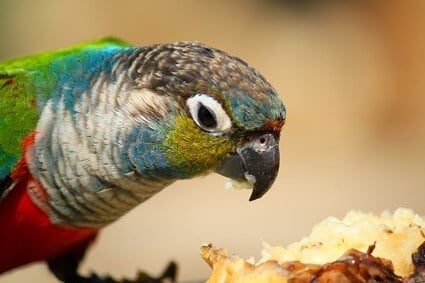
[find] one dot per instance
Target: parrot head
(216, 114)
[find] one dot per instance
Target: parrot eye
(208, 114)
(206, 118)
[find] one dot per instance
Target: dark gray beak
(256, 161)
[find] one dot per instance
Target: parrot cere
(359, 248)
(89, 132)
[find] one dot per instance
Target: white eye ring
(208, 114)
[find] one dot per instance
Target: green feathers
(18, 111)
(24, 82)
(43, 59)
(192, 151)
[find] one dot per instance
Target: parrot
(91, 131)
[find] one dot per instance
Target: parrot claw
(168, 276)
(65, 268)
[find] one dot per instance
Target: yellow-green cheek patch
(192, 151)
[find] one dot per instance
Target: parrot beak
(256, 162)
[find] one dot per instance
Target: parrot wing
(24, 84)
(18, 117)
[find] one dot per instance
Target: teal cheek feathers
(143, 153)
(156, 152)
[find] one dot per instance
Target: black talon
(168, 275)
(65, 269)
(170, 272)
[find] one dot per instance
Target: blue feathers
(7, 161)
(251, 113)
(143, 153)
(76, 74)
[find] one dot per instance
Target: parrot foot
(71, 275)
(168, 276)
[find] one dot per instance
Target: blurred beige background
(352, 77)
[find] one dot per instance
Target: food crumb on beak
(238, 185)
